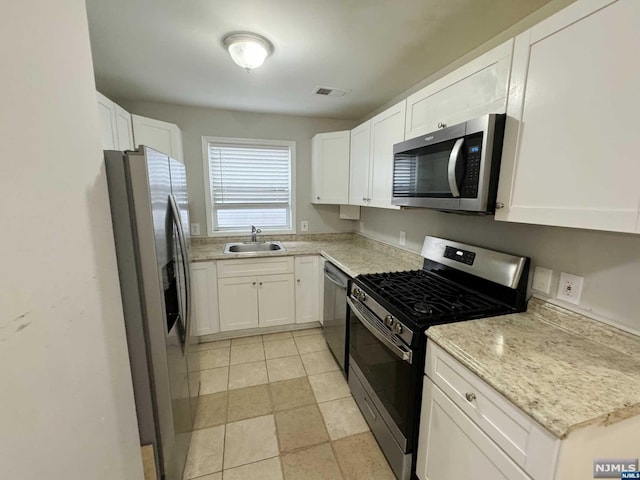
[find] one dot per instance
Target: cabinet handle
(470, 397)
(364, 199)
(499, 205)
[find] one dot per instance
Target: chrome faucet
(254, 233)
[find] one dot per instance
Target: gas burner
(424, 308)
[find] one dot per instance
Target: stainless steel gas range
(388, 316)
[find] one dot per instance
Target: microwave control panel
(473, 151)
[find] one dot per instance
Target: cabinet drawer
(526, 442)
(255, 266)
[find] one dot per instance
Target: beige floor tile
(205, 452)
(342, 418)
(249, 441)
(247, 375)
(276, 336)
(291, 393)
(315, 463)
(249, 402)
(215, 344)
(213, 476)
(214, 358)
(311, 343)
(329, 386)
(360, 458)
(214, 380)
(305, 332)
(280, 348)
(319, 362)
(264, 470)
(300, 427)
(246, 340)
(285, 368)
(211, 410)
(252, 352)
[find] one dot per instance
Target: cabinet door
(162, 136)
(570, 153)
(204, 287)
(452, 446)
(307, 290)
(276, 301)
(387, 129)
(106, 112)
(472, 90)
(330, 168)
(238, 298)
(359, 164)
(124, 128)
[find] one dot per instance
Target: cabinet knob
(470, 396)
(260, 283)
(253, 283)
(499, 205)
(442, 125)
(364, 199)
(317, 198)
(298, 280)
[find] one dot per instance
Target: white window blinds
(250, 185)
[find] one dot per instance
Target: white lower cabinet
(308, 293)
(265, 298)
(455, 447)
(204, 285)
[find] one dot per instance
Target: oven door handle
(404, 354)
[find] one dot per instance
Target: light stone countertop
(564, 370)
(352, 253)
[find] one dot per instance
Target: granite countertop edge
(569, 323)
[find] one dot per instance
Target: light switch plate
(570, 288)
(195, 229)
(304, 226)
(542, 279)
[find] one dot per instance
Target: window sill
(247, 233)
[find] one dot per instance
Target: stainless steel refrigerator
(148, 198)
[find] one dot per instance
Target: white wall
(197, 122)
(67, 409)
(610, 262)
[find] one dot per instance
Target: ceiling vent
(330, 92)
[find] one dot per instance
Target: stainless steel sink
(251, 247)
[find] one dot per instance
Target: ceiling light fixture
(248, 50)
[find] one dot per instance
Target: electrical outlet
(361, 226)
(403, 237)
(195, 229)
(304, 226)
(570, 288)
(542, 279)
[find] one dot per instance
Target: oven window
(423, 172)
(389, 376)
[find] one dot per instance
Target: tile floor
(275, 407)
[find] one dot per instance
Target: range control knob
(356, 292)
(397, 328)
(389, 320)
(362, 296)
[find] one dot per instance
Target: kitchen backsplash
(609, 262)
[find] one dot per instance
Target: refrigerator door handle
(185, 261)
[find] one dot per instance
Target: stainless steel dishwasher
(335, 325)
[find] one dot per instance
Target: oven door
(389, 374)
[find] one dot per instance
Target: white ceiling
(170, 50)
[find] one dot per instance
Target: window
(248, 183)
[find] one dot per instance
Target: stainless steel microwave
(454, 169)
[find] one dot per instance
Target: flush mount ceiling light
(248, 50)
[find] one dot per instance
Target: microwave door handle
(454, 158)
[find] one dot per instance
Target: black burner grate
(425, 297)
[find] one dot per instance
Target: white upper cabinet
(115, 125)
(477, 88)
(162, 136)
(330, 168)
(371, 176)
(359, 167)
(570, 154)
